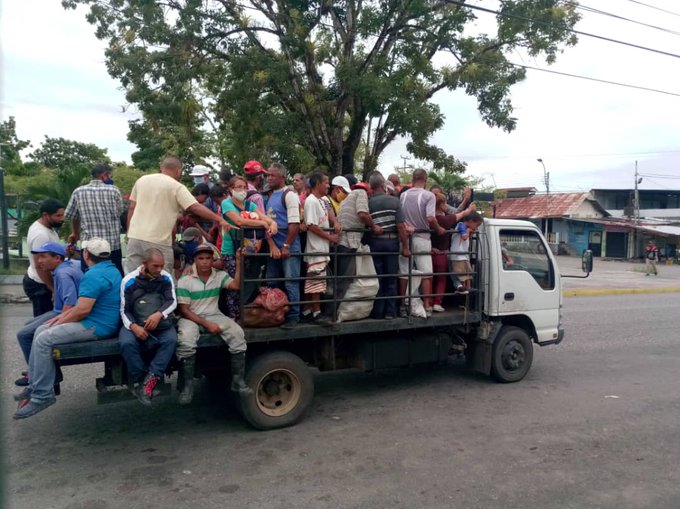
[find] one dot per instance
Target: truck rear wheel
(512, 355)
(283, 389)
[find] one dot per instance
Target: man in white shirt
(318, 243)
(38, 283)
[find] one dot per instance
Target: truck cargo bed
(98, 351)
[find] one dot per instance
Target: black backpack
(145, 304)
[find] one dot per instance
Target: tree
(11, 147)
(309, 81)
(63, 154)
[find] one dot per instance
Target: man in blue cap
(50, 257)
(95, 316)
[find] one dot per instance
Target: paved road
(594, 424)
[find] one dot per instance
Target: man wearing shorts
(460, 245)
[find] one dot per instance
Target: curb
(617, 291)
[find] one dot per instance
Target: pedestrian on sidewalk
(651, 258)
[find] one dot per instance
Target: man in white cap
(201, 175)
(339, 191)
(95, 316)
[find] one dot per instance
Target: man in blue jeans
(66, 276)
(95, 316)
(147, 300)
(284, 247)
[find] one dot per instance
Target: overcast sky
(588, 134)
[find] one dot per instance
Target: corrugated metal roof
(543, 205)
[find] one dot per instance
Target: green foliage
(11, 147)
(48, 183)
(125, 176)
(65, 155)
(309, 83)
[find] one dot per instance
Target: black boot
(187, 370)
(238, 370)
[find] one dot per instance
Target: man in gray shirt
(419, 206)
(354, 215)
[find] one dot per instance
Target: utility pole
(546, 180)
(636, 212)
(405, 158)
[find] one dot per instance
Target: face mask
(198, 180)
(239, 195)
(341, 196)
(108, 181)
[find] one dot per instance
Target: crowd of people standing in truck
(182, 271)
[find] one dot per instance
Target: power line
(622, 18)
(627, 85)
(610, 154)
(654, 7)
(648, 89)
(552, 25)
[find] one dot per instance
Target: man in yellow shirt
(154, 203)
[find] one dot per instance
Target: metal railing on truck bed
(465, 310)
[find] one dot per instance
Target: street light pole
(546, 180)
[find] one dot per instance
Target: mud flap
(481, 361)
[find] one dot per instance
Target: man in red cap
(254, 173)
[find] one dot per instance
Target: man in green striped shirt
(197, 297)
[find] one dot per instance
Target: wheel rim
(513, 356)
(278, 392)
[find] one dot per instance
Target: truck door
(528, 281)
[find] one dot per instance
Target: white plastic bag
(364, 288)
(417, 307)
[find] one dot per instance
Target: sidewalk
(611, 277)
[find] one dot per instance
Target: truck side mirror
(587, 261)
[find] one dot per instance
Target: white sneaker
(438, 309)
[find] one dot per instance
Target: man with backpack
(148, 299)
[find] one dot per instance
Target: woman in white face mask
(239, 211)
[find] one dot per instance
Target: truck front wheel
(283, 389)
(512, 355)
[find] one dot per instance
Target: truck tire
(512, 355)
(283, 388)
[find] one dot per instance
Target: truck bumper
(557, 341)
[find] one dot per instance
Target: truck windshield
(524, 250)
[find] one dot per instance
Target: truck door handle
(509, 296)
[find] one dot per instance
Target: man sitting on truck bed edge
(95, 316)
(147, 301)
(198, 294)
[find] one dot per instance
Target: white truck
(515, 303)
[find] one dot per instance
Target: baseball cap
(190, 234)
(341, 182)
(98, 247)
(199, 170)
(206, 248)
(253, 168)
(51, 247)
